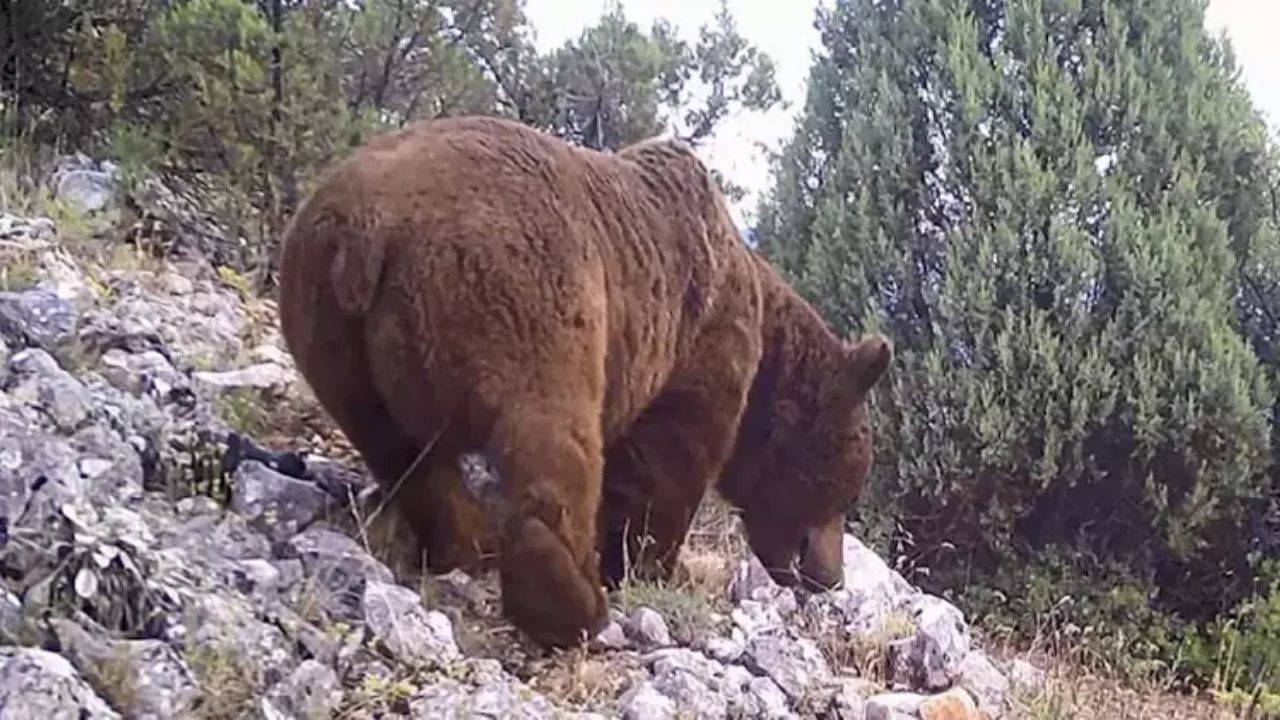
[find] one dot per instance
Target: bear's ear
(868, 359)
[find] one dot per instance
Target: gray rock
(36, 318)
(690, 691)
(986, 683)
(219, 539)
(893, 706)
(146, 373)
(254, 576)
(227, 628)
(394, 615)
(749, 578)
(262, 376)
(448, 699)
(87, 185)
(144, 678)
(930, 659)
(795, 664)
(337, 571)
(276, 505)
(86, 190)
(848, 701)
(727, 649)
(13, 624)
(1025, 676)
(764, 699)
(39, 684)
(310, 692)
(683, 659)
(612, 637)
(645, 702)
(871, 589)
(753, 617)
(648, 629)
(310, 641)
(37, 381)
(27, 232)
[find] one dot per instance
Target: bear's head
(803, 461)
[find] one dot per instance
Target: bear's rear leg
(430, 510)
(550, 570)
(454, 529)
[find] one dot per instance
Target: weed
(242, 409)
(228, 684)
(115, 677)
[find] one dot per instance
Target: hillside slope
(160, 561)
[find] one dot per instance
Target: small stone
(691, 692)
(1026, 676)
(930, 659)
(849, 700)
(255, 575)
(893, 706)
(91, 468)
(986, 683)
(275, 504)
(262, 376)
(612, 637)
(194, 505)
(955, 704)
(794, 664)
(766, 698)
(395, 616)
(87, 190)
(644, 702)
(176, 284)
(338, 568)
(727, 649)
(310, 692)
(12, 622)
(750, 576)
(39, 684)
(36, 318)
(648, 629)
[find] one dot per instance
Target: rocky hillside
(183, 537)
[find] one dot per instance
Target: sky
(784, 29)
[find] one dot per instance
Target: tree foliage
(251, 98)
(1061, 211)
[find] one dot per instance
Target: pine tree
(1055, 208)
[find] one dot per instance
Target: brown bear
(594, 324)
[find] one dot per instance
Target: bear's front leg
(548, 564)
(657, 474)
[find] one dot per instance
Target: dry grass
(580, 679)
(868, 655)
(1082, 685)
(1072, 691)
(228, 685)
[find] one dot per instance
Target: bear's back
(470, 203)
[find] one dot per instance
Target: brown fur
(595, 325)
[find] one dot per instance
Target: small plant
(18, 274)
(377, 695)
(115, 677)
(689, 614)
(242, 409)
(867, 653)
(228, 685)
(237, 281)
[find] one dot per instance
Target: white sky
(784, 30)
